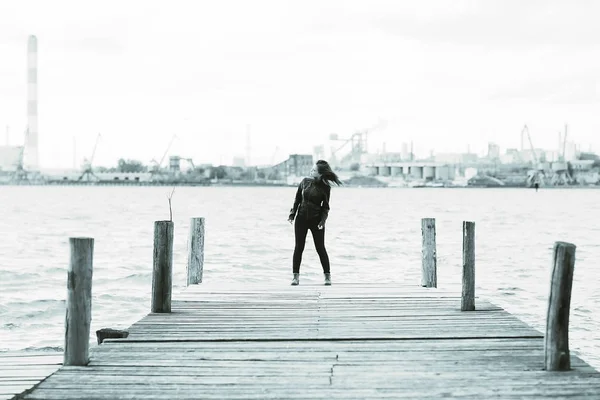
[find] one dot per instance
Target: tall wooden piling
(467, 301)
(556, 339)
(79, 302)
(162, 273)
(195, 265)
(429, 257)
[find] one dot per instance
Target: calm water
(372, 234)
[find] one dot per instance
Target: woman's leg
(300, 231)
(319, 239)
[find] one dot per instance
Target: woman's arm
(325, 205)
(297, 202)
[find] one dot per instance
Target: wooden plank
(31, 360)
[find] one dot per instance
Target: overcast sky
(445, 74)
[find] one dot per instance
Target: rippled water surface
(372, 235)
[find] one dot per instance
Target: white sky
(445, 74)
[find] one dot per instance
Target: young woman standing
(310, 210)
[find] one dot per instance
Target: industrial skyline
(443, 78)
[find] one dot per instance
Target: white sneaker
(296, 280)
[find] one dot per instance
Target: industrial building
(414, 170)
(293, 169)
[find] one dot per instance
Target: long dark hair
(327, 175)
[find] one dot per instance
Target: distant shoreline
(274, 184)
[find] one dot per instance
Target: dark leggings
(301, 228)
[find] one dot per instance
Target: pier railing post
(195, 265)
(79, 302)
(429, 260)
(556, 339)
(467, 302)
(162, 272)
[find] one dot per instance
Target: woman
(312, 206)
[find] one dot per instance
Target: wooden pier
(346, 341)
(221, 340)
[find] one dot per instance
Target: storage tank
(416, 172)
(451, 173)
(428, 172)
(442, 173)
(396, 171)
(372, 171)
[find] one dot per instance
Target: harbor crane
(88, 172)
(156, 167)
(195, 172)
(561, 175)
(536, 175)
(191, 162)
(193, 167)
(359, 144)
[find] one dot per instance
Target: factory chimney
(31, 141)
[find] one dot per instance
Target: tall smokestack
(31, 141)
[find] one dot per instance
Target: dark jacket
(312, 200)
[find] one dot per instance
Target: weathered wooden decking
(350, 341)
(21, 370)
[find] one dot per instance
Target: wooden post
(162, 273)
(429, 264)
(556, 340)
(195, 263)
(79, 302)
(467, 302)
